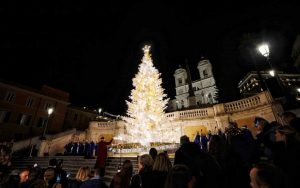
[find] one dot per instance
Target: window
(29, 102)
(205, 74)
(10, 97)
(24, 119)
(4, 116)
(42, 122)
(47, 105)
(180, 81)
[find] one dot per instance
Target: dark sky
(92, 49)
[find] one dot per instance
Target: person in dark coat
(202, 165)
(203, 142)
(74, 149)
(144, 179)
(287, 154)
(197, 139)
(93, 147)
(68, 148)
(122, 178)
(265, 138)
(88, 152)
(61, 173)
(81, 149)
(180, 176)
(153, 153)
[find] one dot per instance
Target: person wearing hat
(287, 153)
(265, 137)
(102, 155)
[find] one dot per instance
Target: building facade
(23, 111)
(205, 88)
(253, 83)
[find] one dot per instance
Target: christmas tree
(146, 121)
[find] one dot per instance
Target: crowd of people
(235, 158)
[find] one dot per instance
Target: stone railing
(191, 114)
(68, 132)
(102, 125)
(17, 146)
(260, 99)
(248, 103)
(36, 141)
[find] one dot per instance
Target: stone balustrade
(247, 103)
(191, 114)
(262, 98)
(103, 125)
(36, 141)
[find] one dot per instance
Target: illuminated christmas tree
(146, 121)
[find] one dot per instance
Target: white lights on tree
(146, 121)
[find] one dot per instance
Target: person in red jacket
(102, 155)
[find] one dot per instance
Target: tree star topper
(146, 50)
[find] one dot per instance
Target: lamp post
(49, 111)
(264, 50)
(99, 111)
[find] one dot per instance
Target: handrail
(17, 146)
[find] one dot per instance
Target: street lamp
(49, 111)
(264, 50)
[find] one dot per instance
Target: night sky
(92, 49)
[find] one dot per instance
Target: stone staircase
(73, 163)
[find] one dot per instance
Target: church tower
(198, 93)
(181, 87)
(209, 91)
(180, 77)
